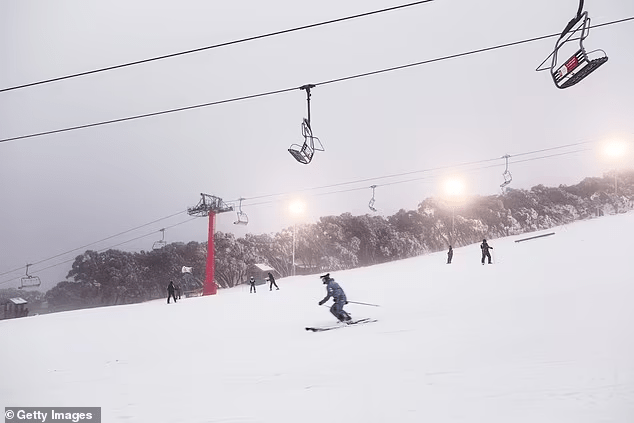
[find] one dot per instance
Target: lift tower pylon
(209, 205)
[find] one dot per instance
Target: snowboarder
(335, 291)
(485, 251)
(170, 292)
(252, 282)
(272, 281)
(449, 255)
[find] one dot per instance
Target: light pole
(454, 188)
(615, 151)
(294, 231)
(296, 208)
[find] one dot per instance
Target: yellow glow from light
(454, 187)
(297, 207)
(615, 149)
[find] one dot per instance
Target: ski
(342, 325)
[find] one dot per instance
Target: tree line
(337, 242)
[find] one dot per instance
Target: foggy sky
(63, 191)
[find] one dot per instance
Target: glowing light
(454, 187)
(615, 149)
(297, 207)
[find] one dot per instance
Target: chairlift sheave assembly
(29, 281)
(304, 153)
(371, 203)
(243, 219)
(160, 243)
(580, 64)
(506, 175)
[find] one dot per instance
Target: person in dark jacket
(252, 282)
(170, 292)
(334, 290)
(272, 281)
(449, 255)
(485, 251)
(177, 290)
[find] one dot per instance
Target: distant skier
(334, 290)
(485, 251)
(177, 289)
(272, 281)
(170, 292)
(252, 282)
(449, 255)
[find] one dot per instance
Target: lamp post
(615, 151)
(454, 188)
(296, 208)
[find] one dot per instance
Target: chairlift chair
(371, 203)
(161, 243)
(304, 153)
(506, 175)
(243, 219)
(580, 64)
(29, 281)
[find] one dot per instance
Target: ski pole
(356, 302)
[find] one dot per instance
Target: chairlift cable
(395, 175)
(95, 242)
(101, 250)
(319, 194)
(285, 90)
(228, 43)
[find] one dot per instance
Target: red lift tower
(209, 205)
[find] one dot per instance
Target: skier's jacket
(335, 291)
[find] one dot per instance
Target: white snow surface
(542, 335)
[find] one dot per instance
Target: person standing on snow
(170, 292)
(334, 290)
(272, 281)
(449, 255)
(252, 282)
(485, 251)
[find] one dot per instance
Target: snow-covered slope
(542, 335)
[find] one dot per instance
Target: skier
(272, 280)
(335, 291)
(485, 251)
(252, 282)
(170, 292)
(178, 291)
(449, 255)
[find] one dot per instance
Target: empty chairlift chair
(243, 219)
(160, 243)
(29, 281)
(304, 153)
(506, 175)
(581, 63)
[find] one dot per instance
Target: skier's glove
(321, 302)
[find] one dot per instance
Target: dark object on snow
(170, 292)
(485, 251)
(272, 281)
(449, 255)
(533, 237)
(334, 290)
(348, 323)
(252, 282)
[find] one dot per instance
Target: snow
(542, 335)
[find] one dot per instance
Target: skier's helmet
(325, 278)
(484, 240)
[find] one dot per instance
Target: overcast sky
(63, 191)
